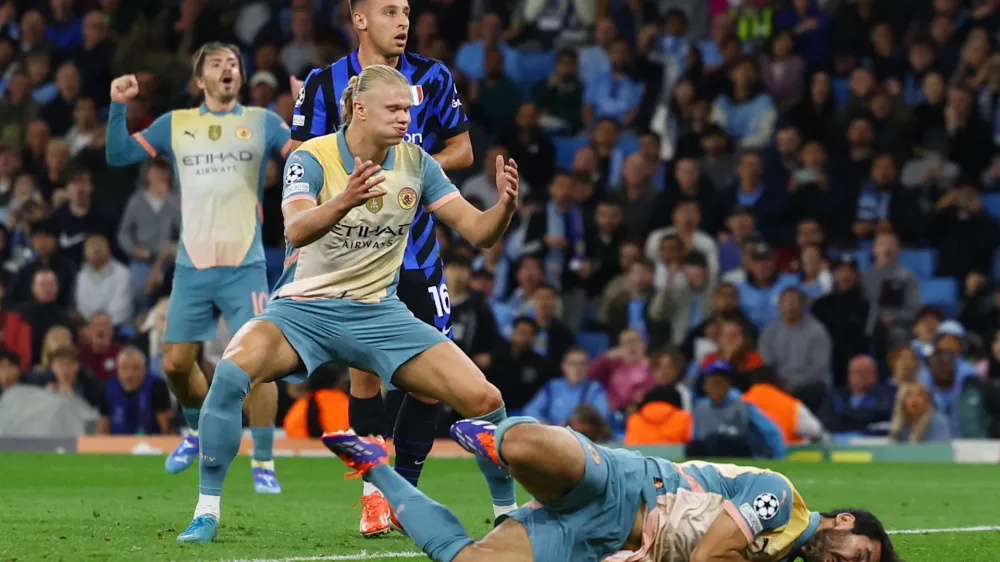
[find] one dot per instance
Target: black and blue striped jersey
(437, 115)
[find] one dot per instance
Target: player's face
(833, 545)
(388, 24)
(387, 113)
(220, 76)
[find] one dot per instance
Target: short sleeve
(309, 117)
(436, 188)
(278, 135)
(448, 107)
(762, 503)
(303, 178)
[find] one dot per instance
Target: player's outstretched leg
(413, 435)
(188, 383)
(547, 461)
(262, 408)
(367, 416)
(444, 372)
(257, 354)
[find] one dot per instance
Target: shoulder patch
(298, 120)
(751, 516)
(766, 505)
(300, 187)
(294, 173)
(302, 96)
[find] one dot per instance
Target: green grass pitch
(90, 508)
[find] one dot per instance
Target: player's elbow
(295, 234)
(465, 158)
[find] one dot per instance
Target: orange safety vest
(333, 406)
(781, 407)
(659, 423)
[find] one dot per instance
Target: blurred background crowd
(745, 223)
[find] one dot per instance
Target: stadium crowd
(745, 223)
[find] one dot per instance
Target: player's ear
(844, 522)
(359, 110)
(360, 21)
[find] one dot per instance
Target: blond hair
(361, 83)
(54, 339)
(902, 420)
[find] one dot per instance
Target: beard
(821, 543)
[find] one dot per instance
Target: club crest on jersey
(244, 133)
(407, 198)
(417, 93)
(215, 132)
(374, 204)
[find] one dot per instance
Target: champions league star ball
(766, 506)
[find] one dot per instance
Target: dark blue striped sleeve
(448, 106)
(310, 115)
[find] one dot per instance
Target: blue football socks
(263, 442)
(221, 425)
(499, 481)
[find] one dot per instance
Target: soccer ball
(766, 506)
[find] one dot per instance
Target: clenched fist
(124, 88)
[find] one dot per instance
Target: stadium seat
(991, 202)
(921, 262)
(534, 67)
(941, 292)
(594, 343)
(566, 148)
(628, 144)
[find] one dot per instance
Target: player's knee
(520, 443)
(177, 363)
(487, 400)
(364, 385)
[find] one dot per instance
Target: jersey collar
(808, 532)
(347, 159)
(237, 110)
(356, 64)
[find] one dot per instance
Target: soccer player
(220, 153)
(437, 120)
(594, 503)
(346, 225)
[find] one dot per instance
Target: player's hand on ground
(124, 88)
(362, 185)
(508, 181)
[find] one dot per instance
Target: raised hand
(124, 88)
(361, 185)
(508, 181)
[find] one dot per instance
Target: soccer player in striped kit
(438, 119)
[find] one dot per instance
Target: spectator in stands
(36, 139)
(764, 283)
(596, 59)
(904, 365)
(560, 98)
(929, 318)
(799, 348)
(64, 375)
(750, 192)
(783, 72)
(725, 425)
(80, 216)
(39, 67)
(965, 234)
(86, 126)
(33, 38)
(956, 393)
(17, 107)
(813, 115)
(725, 306)
(687, 223)
(690, 301)
(52, 181)
(64, 30)
(263, 89)
(667, 368)
(609, 158)
(969, 136)
(915, 419)
(861, 404)
(59, 112)
(797, 422)
(739, 228)
(587, 421)
(667, 274)
(606, 241)
(736, 348)
(556, 235)
(103, 284)
(494, 99)
(844, 315)
(516, 369)
(10, 369)
(43, 312)
(483, 185)
(638, 198)
(560, 396)
(878, 208)
(815, 278)
(614, 94)
(136, 402)
(324, 408)
(98, 350)
(555, 338)
(471, 57)
(660, 419)
(718, 161)
(629, 304)
(893, 292)
(989, 370)
(93, 57)
(624, 371)
(152, 217)
(650, 149)
(529, 276)
(299, 54)
(44, 256)
(474, 328)
(981, 312)
(747, 114)
(530, 147)
(688, 184)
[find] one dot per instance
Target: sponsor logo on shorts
(751, 517)
(407, 198)
(244, 133)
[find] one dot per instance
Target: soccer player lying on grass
(348, 201)
(593, 503)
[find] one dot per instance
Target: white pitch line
(365, 555)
